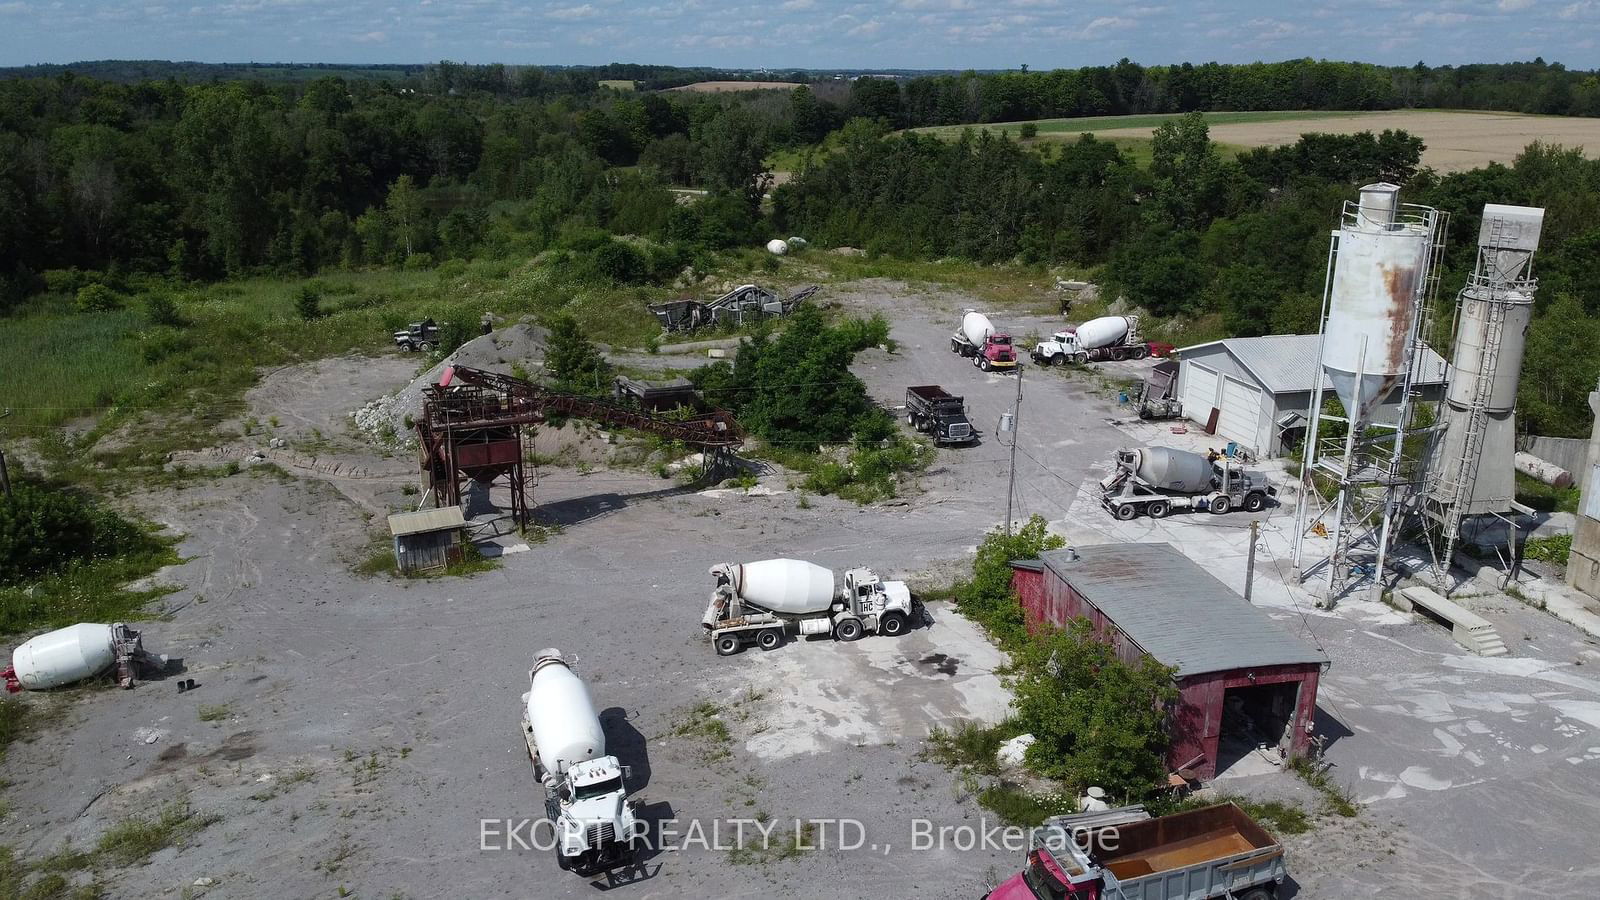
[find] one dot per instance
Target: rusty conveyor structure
(472, 420)
(745, 302)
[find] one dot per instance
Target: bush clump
(45, 529)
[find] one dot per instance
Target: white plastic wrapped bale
(777, 246)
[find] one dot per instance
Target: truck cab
(1046, 878)
(882, 606)
(1061, 349)
(595, 823)
(418, 336)
(996, 353)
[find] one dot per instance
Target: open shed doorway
(1256, 717)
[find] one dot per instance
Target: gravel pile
(519, 346)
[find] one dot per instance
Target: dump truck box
(1217, 851)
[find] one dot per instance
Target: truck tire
(727, 644)
(892, 624)
(770, 639)
(563, 863)
(1220, 504)
(1144, 413)
(1141, 351)
(425, 347)
(1157, 509)
(983, 363)
(1260, 893)
(1118, 354)
(1060, 359)
(848, 629)
(1081, 358)
(955, 346)
(1126, 511)
(1255, 501)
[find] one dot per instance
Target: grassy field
(618, 85)
(160, 388)
(1456, 140)
(1077, 126)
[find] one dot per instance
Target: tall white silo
(1379, 289)
(1378, 271)
(1470, 469)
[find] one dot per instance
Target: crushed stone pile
(520, 346)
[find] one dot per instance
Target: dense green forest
(107, 189)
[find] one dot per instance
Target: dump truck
(585, 794)
(939, 414)
(1215, 851)
(763, 602)
(418, 336)
(1108, 337)
(978, 340)
(1155, 481)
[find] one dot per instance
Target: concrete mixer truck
(762, 602)
(585, 798)
(80, 651)
(1154, 481)
(977, 338)
(1108, 337)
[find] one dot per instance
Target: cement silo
(1471, 465)
(1378, 297)
(1380, 265)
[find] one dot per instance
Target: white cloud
(1438, 18)
(1104, 24)
(1513, 5)
(573, 13)
(371, 37)
(798, 5)
(867, 29)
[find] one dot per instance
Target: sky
(924, 34)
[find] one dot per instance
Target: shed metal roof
(1284, 363)
(1175, 610)
(425, 520)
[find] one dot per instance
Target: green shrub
(1097, 720)
(308, 303)
(162, 310)
(98, 298)
(1554, 549)
(987, 597)
(45, 529)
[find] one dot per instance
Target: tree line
(1241, 243)
(1301, 84)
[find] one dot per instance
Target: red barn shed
(1243, 680)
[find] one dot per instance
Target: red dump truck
(1217, 851)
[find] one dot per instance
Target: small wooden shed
(427, 539)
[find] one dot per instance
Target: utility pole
(1009, 423)
(1250, 560)
(5, 477)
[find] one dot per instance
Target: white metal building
(1256, 391)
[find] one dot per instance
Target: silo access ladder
(1458, 494)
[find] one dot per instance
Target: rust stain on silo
(1401, 282)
